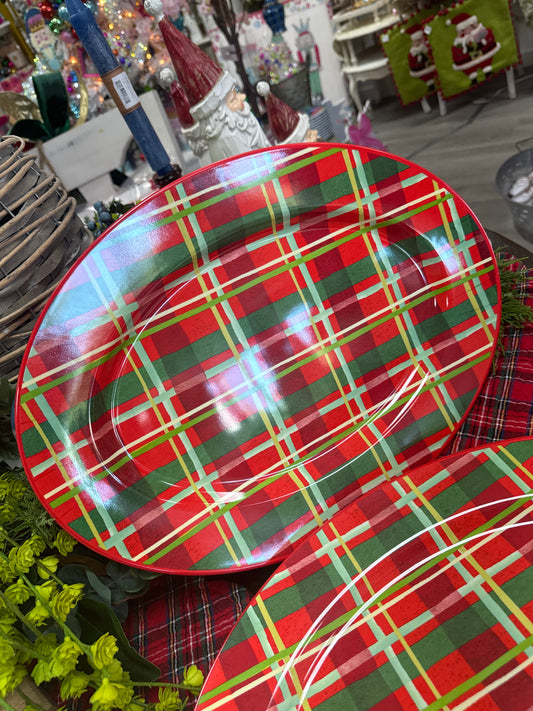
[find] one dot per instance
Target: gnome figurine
(189, 128)
(224, 118)
(287, 125)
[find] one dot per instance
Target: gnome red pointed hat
(167, 79)
(282, 119)
(196, 71)
(181, 104)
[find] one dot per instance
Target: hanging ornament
(56, 25)
(62, 13)
(274, 16)
(47, 10)
(66, 37)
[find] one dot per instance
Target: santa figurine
(189, 128)
(286, 124)
(44, 42)
(421, 65)
(474, 47)
(225, 120)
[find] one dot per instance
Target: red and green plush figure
(474, 47)
(421, 65)
(471, 42)
(410, 57)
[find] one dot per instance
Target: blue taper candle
(119, 86)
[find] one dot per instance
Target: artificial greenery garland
(514, 313)
(47, 626)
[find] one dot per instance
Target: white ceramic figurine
(287, 125)
(190, 129)
(225, 119)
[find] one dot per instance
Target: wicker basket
(40, 237)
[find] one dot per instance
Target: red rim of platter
(250, 349)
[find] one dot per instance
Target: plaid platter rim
(251, 348)
(418, 595)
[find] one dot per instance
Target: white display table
(84, 156)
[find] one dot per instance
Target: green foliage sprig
(48, 627)
(8, 446)
(514, 314)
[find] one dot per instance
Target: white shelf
(357, 44)
(371, 8)
(366, 29)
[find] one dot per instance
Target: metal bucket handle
(519, 144)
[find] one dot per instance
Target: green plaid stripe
(249, 349)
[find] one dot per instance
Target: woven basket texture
(40, 237)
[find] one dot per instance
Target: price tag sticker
(121, 89)
(125, 90)
(384, 37)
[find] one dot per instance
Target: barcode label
(125, 90)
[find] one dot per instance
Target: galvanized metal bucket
(518, 166)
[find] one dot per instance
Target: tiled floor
(466, 147)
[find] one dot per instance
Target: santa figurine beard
(230, 127)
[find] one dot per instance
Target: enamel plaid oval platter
(251, 348)
(419, 595)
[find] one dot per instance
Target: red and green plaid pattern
(419, 595)
(504, 407)
(252, 348)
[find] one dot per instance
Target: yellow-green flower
(64, 543)
(24, 653)
(136, 704)
(21, 558)
(64, 658)
(7, 620)
(45, 644)
(106, 696)
(10, 677)
(5, 485)
(42, 672)
(65, 600)
(41, 611)
(38, 615)
(18, 593)
(6, 574)
(74, 685)
(6, 651)
(103, 651)
(193, 676)
(115, 672)
(17, 489)
(169, 700)
(47, 565)
(37, 543)
(7, 512)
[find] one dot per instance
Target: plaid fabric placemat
(183, 621)
(504, 407)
